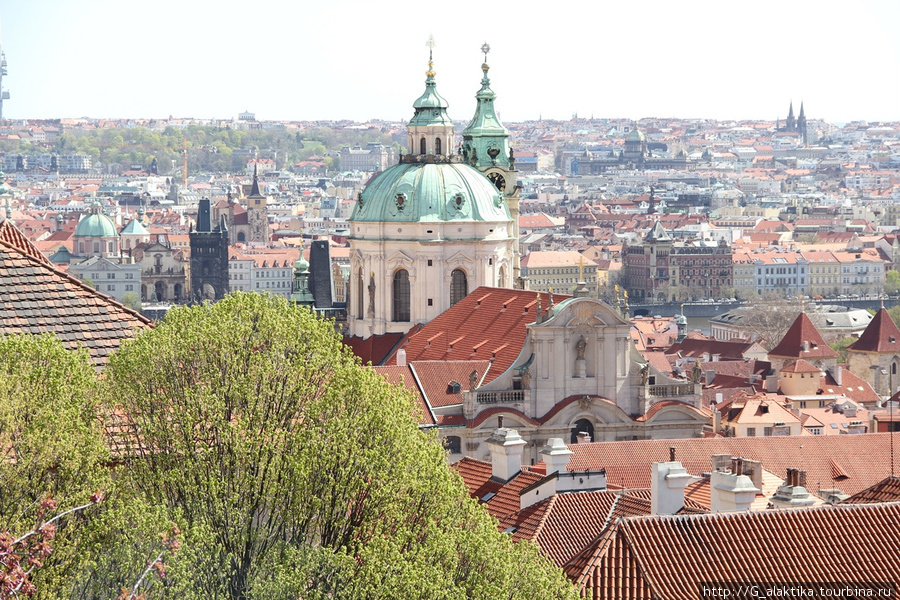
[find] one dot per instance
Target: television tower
(4, 95)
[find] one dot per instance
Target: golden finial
(580, 268)
(430, 44)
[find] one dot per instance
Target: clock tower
(486, 147)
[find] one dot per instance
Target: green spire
(430, 107)
(485, 137)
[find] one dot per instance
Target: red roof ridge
(803, 340)
(881, 335)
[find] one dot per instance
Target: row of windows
(112, 287)
(400, 293)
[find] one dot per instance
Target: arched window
(422, 148)
(501, 278)
(582, 426)
(401, 295)
(459, 287)
(241, 237)
(437, 146)
(359, 294)
(893, 368)
(453, 444)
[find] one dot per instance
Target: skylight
(488, 496)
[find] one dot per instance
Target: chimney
(731, 491)
(792, 493)
(401, 357)
(556, 455)
(715, 357)
(836, 373)
(667, 483)
(805, 346)
(506, 453)
(583, 437)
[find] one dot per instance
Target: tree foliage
(295, 472)
(51, 446)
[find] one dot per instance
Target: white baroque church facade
(427, 231)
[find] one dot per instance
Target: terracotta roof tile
(668, 557)
(864, 459)
(887, 490)
(488, 324)
(37, 298)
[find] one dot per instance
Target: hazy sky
(355, 59)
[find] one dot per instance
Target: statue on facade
(473, 380)
(645, 373)
(580, 347)
(372, 295)
(526, 378)
(696, 372)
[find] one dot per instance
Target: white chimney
(667, 483)
(583, 437)
(731, 491)
(506, 453)
(401, 357)
(556, 455)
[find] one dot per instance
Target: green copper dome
(418, 192)
(636, 135)
(430, 107)
(96, 224)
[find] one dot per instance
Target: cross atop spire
(485, 48)
(430, 43)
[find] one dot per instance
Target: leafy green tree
(52, 445)
(892, 282)
(295, 472)
(132, 301)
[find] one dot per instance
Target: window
(401, 295)
(751, 432)
(453, 444)
(437, 146)
(767, 431)
(458, 286)
(422, 149)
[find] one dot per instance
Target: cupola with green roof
(96, 235)
(430, 131)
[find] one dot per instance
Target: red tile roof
(803, 330)
(37, 298)
(863, 459)
(435, 377)
(881, 335)
(488, 324)
(887, 490)
(668, 557)
(477, 476)
(563, 524)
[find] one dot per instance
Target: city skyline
(358, 61)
